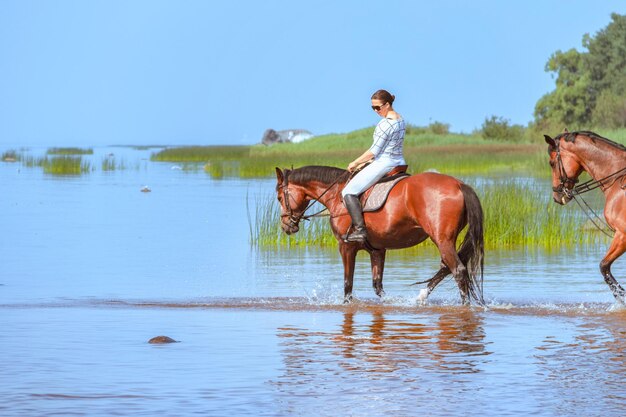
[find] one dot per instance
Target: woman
(384, 154)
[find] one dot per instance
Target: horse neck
(598, 159)
(328, 194)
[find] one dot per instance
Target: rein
(593, 184)
(585, 186)
(575, 192)
(294, 219)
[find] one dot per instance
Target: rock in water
(159, 340)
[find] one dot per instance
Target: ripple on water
(333, 303)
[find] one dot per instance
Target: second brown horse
(422, 206)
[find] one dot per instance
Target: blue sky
(215, 72)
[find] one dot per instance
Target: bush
(439, 128)
(415, 130)
(436, 128)
(498, 128)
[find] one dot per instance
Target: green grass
(69, 151)
(455, 154)
(525, 216)
(65, 165)
(109, 163)
(266, 231)
(515, 216)
(201, 153)
(452, 158)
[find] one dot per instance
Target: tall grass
(455, 154)
(266, 231)
(109, 163)
(525, 215)
(451, 153)
(459, 159)
(201, 153)
(65, 165)
(69, 151)
(71, 165)
(516, 215)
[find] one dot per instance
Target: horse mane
(571, 137)
(323, 174)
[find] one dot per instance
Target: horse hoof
(423, 296)
(347, 300)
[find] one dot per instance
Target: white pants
(369, 175)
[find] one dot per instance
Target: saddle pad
(376, 198)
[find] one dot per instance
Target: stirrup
(356, 236)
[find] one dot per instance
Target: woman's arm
(366, 157)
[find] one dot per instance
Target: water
(92, 268)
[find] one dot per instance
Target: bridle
(574, 192)
(562, 188)
(296, 217)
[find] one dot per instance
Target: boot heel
(359, 234)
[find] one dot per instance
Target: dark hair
(384, 96)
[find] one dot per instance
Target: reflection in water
(588, 367)
(388, 345)
(404, 352)
(381, 362)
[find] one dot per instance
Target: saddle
(375, 197)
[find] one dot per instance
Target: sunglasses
(377, 108)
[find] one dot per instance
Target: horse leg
(617, 248)
(377, 256)
(459, 271)
(443, 272)
(348, 257)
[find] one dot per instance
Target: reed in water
(530, 220)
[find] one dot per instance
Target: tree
(606, 60)
(585, 78)
(571, 102)
(498, 128)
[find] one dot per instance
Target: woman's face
(380, 107)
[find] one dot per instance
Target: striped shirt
(388, 140)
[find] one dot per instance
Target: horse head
(293, 202)
(566, 169)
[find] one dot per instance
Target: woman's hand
(353, 165)
(361, 161)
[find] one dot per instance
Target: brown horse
(418, 207)
(571, 153)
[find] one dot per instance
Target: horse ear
(565, 130)
(550, 141)
(279, 175)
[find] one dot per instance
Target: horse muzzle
(561, 198)
(290, 228)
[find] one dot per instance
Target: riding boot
(353, 204)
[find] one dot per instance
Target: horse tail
(472, 250)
